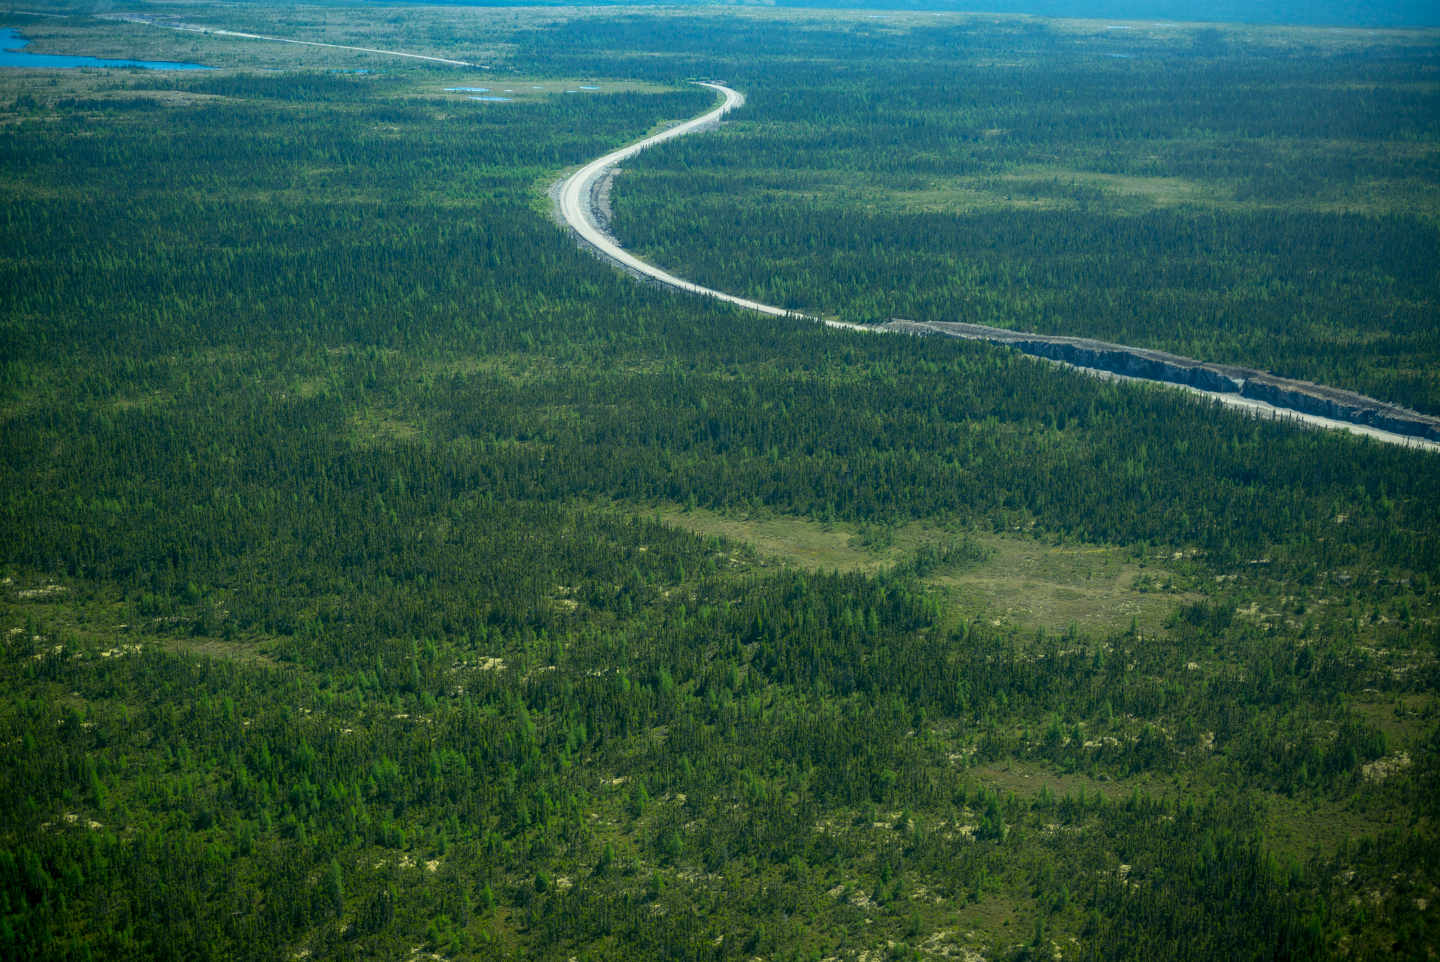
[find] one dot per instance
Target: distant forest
(1328, 13)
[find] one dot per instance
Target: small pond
(12, 56)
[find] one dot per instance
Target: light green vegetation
(1068, 188)
(1029, 585)
(1019, 583)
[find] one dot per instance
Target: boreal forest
(384, 576)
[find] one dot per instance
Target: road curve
(149, 20)
(575, 209)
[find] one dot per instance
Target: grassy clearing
(1072, 187)
(787, 540)
(1024, 584)
(1295, 827)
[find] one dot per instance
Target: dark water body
(12, 56)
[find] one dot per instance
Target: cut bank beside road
(1311, 404)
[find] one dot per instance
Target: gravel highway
(575, 208)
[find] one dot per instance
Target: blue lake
(12, 56)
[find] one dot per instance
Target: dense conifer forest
(384, 576)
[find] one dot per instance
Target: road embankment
(1301, 396)
(582, 203)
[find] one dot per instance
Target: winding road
(576, 210)
(575, 205)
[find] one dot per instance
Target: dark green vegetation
(338, 620)
(1255, 204)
